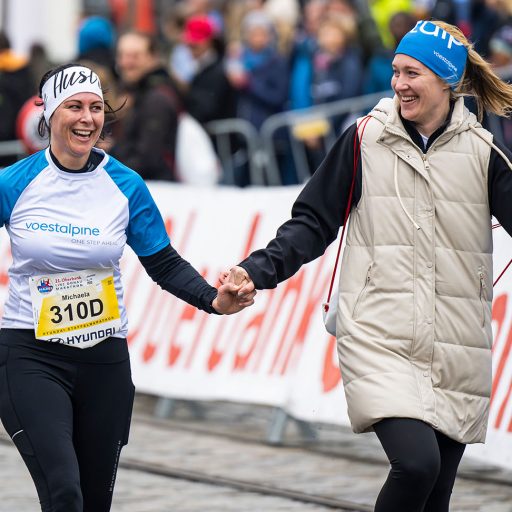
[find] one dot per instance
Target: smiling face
(424, 97)
(134, 57)
(75, 127)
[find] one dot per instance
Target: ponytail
(491, 93)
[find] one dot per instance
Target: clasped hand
(236, 292)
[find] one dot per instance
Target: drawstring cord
(397, 190)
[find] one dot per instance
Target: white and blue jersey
(61, 221)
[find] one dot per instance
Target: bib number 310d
(81, 310)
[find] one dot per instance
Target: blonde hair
(479, 80)
(344, 23)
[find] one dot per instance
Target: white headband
(65, 84)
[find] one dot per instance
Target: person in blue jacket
(257, 71)
(66, 391)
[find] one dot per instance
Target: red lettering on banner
(331, 374)
(292, 285)
(499, 309)
(197, 338)
(156, 308)
(251, 328)
(254, 327)
(157, 302)
(134, 277)
(313, 301)
(188, 314)
(498, 376)
(264, 324)
(252, 234)
(200, 328)
(216, 355)
(498, 314)
(214, 360)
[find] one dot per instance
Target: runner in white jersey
(69, 211)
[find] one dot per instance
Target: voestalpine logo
(65, 229)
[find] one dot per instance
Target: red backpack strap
(357, 153)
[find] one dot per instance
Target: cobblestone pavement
(228, 441)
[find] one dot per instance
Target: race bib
(78, 309)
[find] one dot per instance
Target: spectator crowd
(211, 60)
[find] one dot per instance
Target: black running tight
(423, 462)
(68, 412)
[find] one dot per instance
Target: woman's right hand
(239, 276)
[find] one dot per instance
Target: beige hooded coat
(414, 319)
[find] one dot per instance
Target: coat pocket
(362, 293)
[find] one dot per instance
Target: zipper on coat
(426, 163)
(482, 296)
(362, 293)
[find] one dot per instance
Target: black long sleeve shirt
(177, 276)
(319, 210)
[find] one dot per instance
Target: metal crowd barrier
(282, 135)
(318, 121)
(237, 143)
(12, 148)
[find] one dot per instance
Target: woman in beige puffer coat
(414, 317)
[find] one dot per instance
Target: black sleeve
(500, 187)
(317, 215)
(177, 276)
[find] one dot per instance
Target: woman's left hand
(228, 301)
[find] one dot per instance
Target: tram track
(311, 447)
(243, 485)
(246, 486)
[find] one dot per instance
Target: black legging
(68, 412)
(424, 463)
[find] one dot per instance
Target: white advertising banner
(276, 352)
(178, 351)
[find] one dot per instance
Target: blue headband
(436, 49)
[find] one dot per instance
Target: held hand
(239, 276)
(229, 300)
(224, 277)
